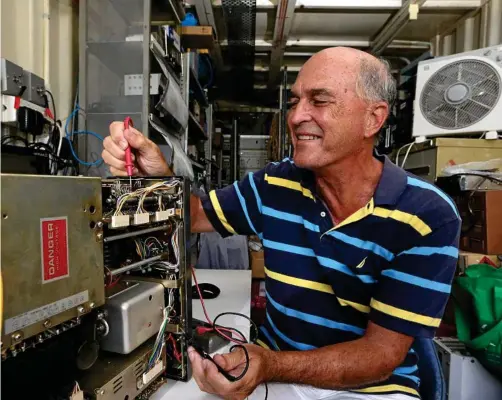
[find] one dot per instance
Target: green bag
(478, 312)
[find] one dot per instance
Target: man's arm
(198, 219)
(370, 359)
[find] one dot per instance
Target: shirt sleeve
(412, 293)
(237, 208)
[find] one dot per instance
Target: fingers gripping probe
(128, 154)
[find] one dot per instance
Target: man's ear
(376, 117)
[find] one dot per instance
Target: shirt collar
(390, 187)
(392, 183)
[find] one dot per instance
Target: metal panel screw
(16, 337)
(47, 324)
(81, 309)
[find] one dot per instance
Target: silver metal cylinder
(436, 46)
(468, 37)
(483, 31)
(448, 45)
(135, 233)
(495, 23)
(135, 265)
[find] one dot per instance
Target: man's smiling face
(327, 119)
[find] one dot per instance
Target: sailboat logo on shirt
(361, 264)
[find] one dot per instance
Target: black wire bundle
(46, 150)
(42, 150)
(55, 131)
(241, 345)
(53, 106)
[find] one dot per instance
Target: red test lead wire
(128, 155)
(219, 329)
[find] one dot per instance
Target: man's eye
(292, 104)
(319, 102)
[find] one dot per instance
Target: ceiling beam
(283, 22)
(407, 12)
(295, 68)
(263, 45)
(264, 5)
(262, 68)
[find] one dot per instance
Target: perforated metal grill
(460, 94)
(240, 18)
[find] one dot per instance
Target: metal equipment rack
(121, 74)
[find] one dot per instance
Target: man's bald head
(339, 102)
(372, 77)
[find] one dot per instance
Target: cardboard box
(481, 214)
(465, 259)
(258, 264)
(197, 37)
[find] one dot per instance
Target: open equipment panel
(96, 286)
(145, 231)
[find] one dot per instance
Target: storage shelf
(164, 10)
(195, 130)
(197, 90)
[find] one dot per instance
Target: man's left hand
(211, 381)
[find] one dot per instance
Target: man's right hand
(147, 157)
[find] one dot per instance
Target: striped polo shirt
(391, 262)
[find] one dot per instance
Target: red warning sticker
(54, 238)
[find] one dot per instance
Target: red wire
(176, 353)
(112, 282)
(217, 329)
(204, 329)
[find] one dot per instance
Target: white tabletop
(235, 296)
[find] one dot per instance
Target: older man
(359, 254)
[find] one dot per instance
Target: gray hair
(375, 81)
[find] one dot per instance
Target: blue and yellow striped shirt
(391, 262)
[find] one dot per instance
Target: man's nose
(300, 113)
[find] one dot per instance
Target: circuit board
(145, 230)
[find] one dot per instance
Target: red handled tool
(128, 155)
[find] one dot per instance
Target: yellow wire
(138, 249)
(142, 193)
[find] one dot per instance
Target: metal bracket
(133, 84)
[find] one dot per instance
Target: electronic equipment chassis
(84, 259)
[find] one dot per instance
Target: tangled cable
(220, 330)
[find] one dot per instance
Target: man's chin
(306, 161)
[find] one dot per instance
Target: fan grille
(460, 94)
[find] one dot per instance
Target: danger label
(54, 236)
